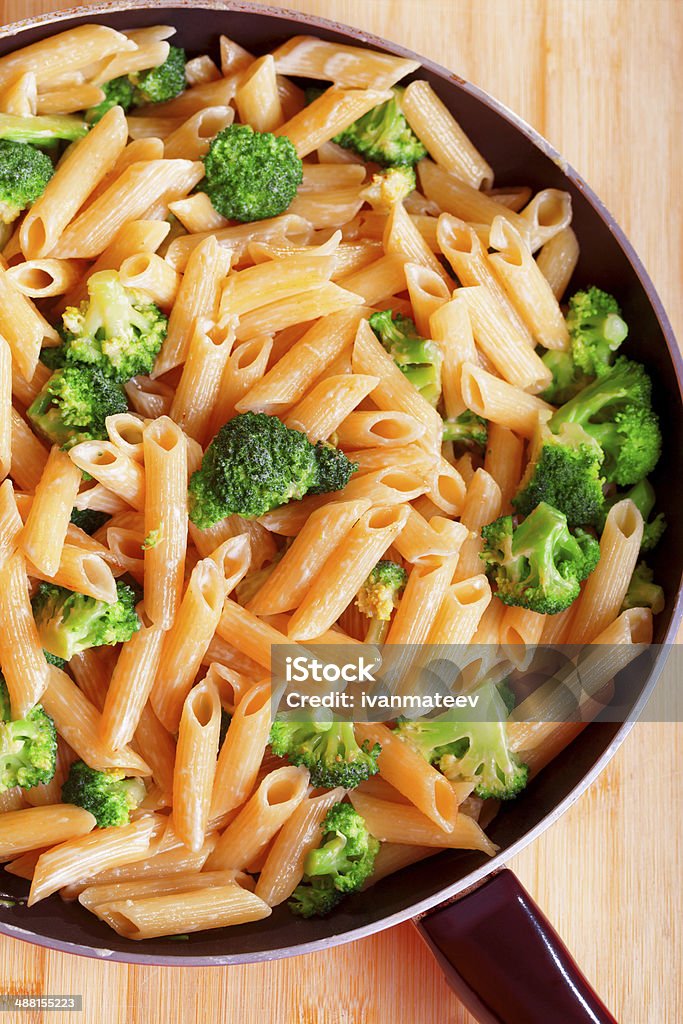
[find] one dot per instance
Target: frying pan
(473, 913)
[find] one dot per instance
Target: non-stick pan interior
(517, 157)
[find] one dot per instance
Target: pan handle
(505, 961)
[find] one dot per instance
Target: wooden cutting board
(603, 80)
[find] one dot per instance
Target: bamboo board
(602, 79)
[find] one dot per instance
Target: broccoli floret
(467, 431)
(69, 622)
(339, 866)
(115, 329)
(615, 410)
(567, 378)
(255, 463)
(117, 93)
(596, 330)
(329, 750)
(162, 83)
(564, 471)
(251, 175)
(383, 135)
(54, 357)
(74, 404)
(41, 131)
(642, 592)
(28, 747)
(643, 497)
(378, 597)
(476, 751)
(507, 695)
(389, 187)
(539, 564)
(88, 520)
(420, 360)
(24, 173)
(109, 795)
(52, 659)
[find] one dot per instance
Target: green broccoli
(53, 356)
(615, 410)
(88, 520)
(478, 751)
(52, 659)
(418, 359)
(643, 497)
(117, 93)
(539, 564)
(508, 695)
(28, 746)
(108, 795)
(255, 463)
(564, 471)
(73, 405)
(41, 131)
(329, 750)
(390, 186)
(116, 329)
(383, 135)
(69, 622)
(467, 431)
(251, 175)
(24, 173)
(162, 83)
(379, 596)
(339, 866)
(596, 330)
(642, 592)
(567, 378)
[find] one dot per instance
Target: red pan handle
(506, 962)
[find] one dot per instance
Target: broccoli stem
(38, 130)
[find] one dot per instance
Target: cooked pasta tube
(104, 848)
(165, 507)
(329, 403)
(417, 609)
(33, 828)
(394, 823)
(547, 214)
(324, 533)
(195, 764)
(20, 97)
(22, 327)
(192, 139)
(77, 721)
(40, 279)
(255, 287)
(200, 385)
(557, 260)
(74, 49)
(196, 214)
(443, 137)
(307, 305)
(147, 272)
(428, 292)
(394, 391)
(450, 326)
(290, 378)
(402, 236)
(216, 906)
(275, 800)
(10, 523)
(241, 754)
(460, 611)
(350, 66)
(482, 506)
(188, 640)
(343, 573)
(112, 468)
(422, 542)
(257, 99)
(378, 429)
(413, 776)
(329, 114)
(606, 587)
(236, 240)
(128, 198)
(23, 662)
(503, 461)
(130, 686)
(197, 296)
(526, 286)
(503, 403)
(44, 534)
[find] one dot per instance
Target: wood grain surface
(603, 80)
